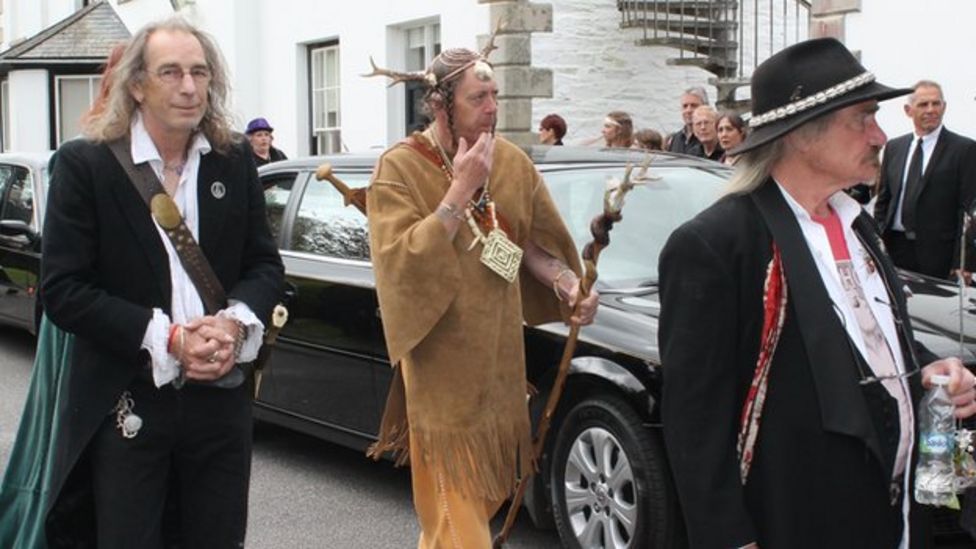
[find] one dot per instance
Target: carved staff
(356, 197)
(600, 227)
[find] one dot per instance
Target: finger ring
(213, 357)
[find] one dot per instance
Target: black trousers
(194, 449)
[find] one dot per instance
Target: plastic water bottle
(935, 475)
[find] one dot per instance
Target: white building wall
(136, 13)
(25, 18)
(903, 41)
(265, 45)
(29, 111)
(281, 92)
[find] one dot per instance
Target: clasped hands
(206, 348)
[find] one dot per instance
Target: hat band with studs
(810, 101)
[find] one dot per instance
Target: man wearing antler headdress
(466, 244)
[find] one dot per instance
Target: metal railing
(731, 37)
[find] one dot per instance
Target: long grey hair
(120, 106)
(755, 166)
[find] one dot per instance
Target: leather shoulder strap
(160, 204)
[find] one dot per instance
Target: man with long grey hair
(155, 429)
(790, 370)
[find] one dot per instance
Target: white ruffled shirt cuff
(239, 311)
(165, 367)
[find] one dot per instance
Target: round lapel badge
(218, 190)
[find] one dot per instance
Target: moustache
(874, 155)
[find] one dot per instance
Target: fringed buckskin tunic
(453, 327)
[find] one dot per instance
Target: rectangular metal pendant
(501, 255)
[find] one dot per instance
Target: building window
(73, 96)
(5, 113)
(422, 44)
(325, 83)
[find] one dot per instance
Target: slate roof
(87, 36)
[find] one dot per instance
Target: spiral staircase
(726, 38)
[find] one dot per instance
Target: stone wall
(597, 68)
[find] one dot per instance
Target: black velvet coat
(104, 269)
(823, 460)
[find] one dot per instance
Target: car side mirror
(17, 228)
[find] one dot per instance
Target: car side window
(18, 193)
(325, 226)
(277, 189)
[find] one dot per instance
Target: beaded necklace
(498, 253)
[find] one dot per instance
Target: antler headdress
(447, 66)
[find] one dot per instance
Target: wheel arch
(587, 376)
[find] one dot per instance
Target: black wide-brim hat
(805, 81)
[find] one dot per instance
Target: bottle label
(935, 443)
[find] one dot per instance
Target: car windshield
(652, 210)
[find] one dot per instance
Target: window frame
(400, 123)
(4, 113)
(316, 147)
(94, 81)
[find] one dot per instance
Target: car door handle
(290, 292)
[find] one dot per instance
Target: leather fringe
(484, 462)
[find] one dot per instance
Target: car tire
(609, 479)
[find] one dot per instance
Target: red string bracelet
(173, 328)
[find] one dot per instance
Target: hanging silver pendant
(126, 421)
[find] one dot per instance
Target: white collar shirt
(874, 291)
(185, 302)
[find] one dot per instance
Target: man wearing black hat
(793, 425)
(260, 134)
(928, 180)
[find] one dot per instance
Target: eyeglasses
(869, 377)
(173, 75)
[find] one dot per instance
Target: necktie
(912, 183)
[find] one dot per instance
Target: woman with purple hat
(260, 134)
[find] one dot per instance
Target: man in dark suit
(155, 418)
(928, 181)
(789, 370)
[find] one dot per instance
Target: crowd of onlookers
(706, 132)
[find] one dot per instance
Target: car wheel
(609, 479)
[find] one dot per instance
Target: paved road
(305, 494)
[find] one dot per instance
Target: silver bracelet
(451, 210)
(239, 343)
(555, 282)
